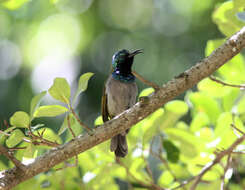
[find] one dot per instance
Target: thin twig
(17, 148)
(69, 126)
(219, 156)
(148, 169)
(76, 157)
(234, 127)
(79, 121)
(229, 160)
(41, 139)
(226, 84)
(142, 79)
(16, 162)
(238, 152)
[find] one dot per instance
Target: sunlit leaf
(29, 151)
(230, 98)
(20, 119)
(186, 141)
(200, 120)
(177, 106)
(153, 122)
(212, 88)
(146, 92)
(98, 121)
(35, 102)
(174, 110)
(60, 90)
(13, 4)
(165, 179)
(225, 17)
(82, 84)
(224, 131)
(15, 138)
(206, 104)
(50, 111)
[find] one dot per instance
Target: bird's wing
(104, 109)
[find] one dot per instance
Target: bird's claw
(144, 99)
(91, 132)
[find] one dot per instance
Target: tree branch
(128, 118)
(4, 151)
(219, 156)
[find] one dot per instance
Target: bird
(119, 94)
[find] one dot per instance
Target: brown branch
(4, 151)
(67, 165)
(79, 121)
(142, 79)
(39, 140)
(131, 116)
(226, 84)
(219, 156)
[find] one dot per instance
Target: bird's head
(122, 60)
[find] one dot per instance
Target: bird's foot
(144, 99)
(91, 132)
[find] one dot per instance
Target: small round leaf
(20, 119)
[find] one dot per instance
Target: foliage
(172, 147)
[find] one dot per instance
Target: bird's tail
(119, 145)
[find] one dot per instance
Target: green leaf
(15, 138)
(98, 121)
(29, 151)
(206, 104)
(35, 102)
(234, 70)
(171, 150)
(50, 111)
(154, 121)
(13, 4)
(223, 130)
(174, 110)
(165, 179)
(212, 88)
(225, 16)
(177, 106)
(200, 120)
(82, 84)
(146, 92)
(187, 141)
(60, 90)
(20, 119)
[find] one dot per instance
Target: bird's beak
(135, 52)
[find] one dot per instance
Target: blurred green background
(44, 39)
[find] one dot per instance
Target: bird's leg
(142, 79)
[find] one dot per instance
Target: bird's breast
(120, 95)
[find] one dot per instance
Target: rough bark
(128, 118)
